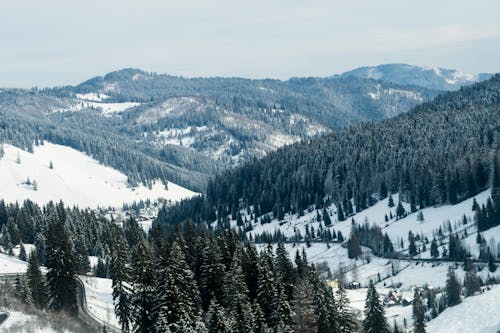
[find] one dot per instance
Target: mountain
(440, 152)
(431, 78)
(153, 126)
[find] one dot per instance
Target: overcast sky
(58, 42)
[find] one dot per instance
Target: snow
(476, 314)
(100, 300)
(95, 97)
(76, 178)
(105, 108)
(11, 265)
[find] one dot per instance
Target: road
(83, 312)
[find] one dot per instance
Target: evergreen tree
(237, 302)
(143, 295)
(453, 289)
(22, 253)
(418, 312)
(36, 282)
(434, 249)
(120, 275)
(340, 213)
(326, 218)
(400, 211)
(375, 321)
(391, 201)
(346, 319)
(412, 248)
(354, 247)
(304, 318)
(472, 283)
(266, 284)
(61, 266)
(216, 320)
(179, 296)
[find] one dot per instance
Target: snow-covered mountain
(55, 172)
(428, 77)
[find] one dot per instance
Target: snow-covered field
(22, 322)
(76, 178)
(11, 265)
(476, 314)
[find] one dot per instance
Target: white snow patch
(476, 314)
(76, 178)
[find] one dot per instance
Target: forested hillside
(151, 126)
(440, 152)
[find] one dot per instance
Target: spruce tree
(346, 319)
(266, 284)
(305, 319)
(400, 211)
(434, 249)
(418, 312)
(143, 295)
(120, 275)
(61, 264)
(375, 321)
(22, 253)
(36, 282)
(236, 296)
(472, 283)
(453, 289)
(180, 294)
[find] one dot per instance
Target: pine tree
(120, 275)
(400, 211)
(412, 248)
(266, 284)
(216, 320)
(326, 218)
(418, 312)
(35, 281)
(472, 283)
(180, 294)
(143, 295)
(375, 321)
(434, 249)
(304, 318)
(340, 213)
(236, 296)
(22, 253)
(391, 201)
(61, 266)
(453, 289)
(346, 319)
(353, 247)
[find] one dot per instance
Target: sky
(61, 42)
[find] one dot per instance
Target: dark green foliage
(61, 266)
(375, 321)
(36, 281)
(450, 140)
(120, 274)
(418, 312)
(434, 249)
(453, 288)
(353, 247)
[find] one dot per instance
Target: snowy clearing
(75, 178)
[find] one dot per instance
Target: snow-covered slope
(427, 77)
(75, 178)
(476, 314)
